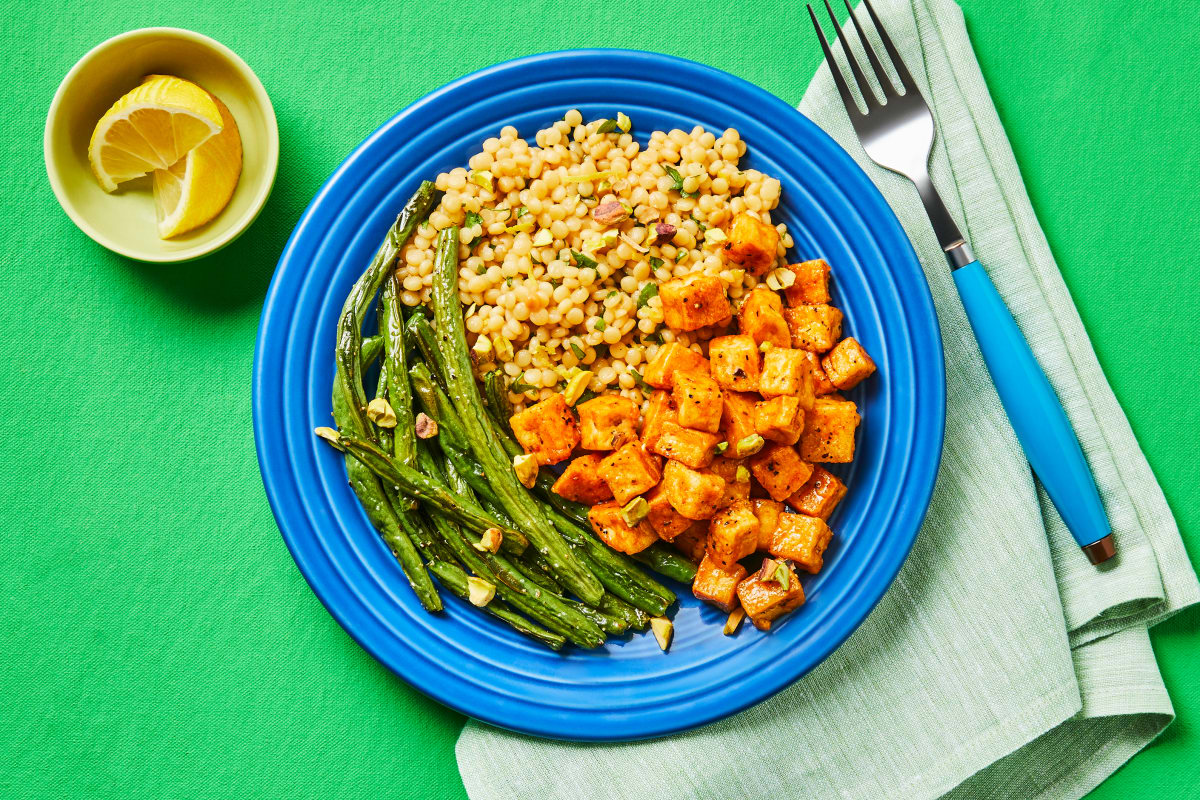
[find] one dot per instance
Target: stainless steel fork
(897, 132)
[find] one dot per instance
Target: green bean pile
(439, 501)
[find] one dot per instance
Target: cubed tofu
(780, 419)
(608, 422)
(693, 542)
(672, 357)
(786, 372)
(802, 539)
(767, 601)
(698, 401)
(735, 362)
(548, 430)
(727, 468)
(819, 496)
(694, 301)
(811, 285)
(847, 364)
(581, 481)
(821, 384)
(718, 585)
(666, 521)
(630, 471)
(694, 494)
(779, 470)
(815, 327)
(660, 410)
(732, 534)
(767, 511)
(829, 428)
(615, 532)
(761, 318)
(737, 417)
(692, 448)
(752, 244)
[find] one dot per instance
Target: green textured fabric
(156, 640)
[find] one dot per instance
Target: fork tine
(868, 94)
(834, 69)
(885, 83)
(897, 63)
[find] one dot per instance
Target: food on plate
(594, 364)
(182, 135)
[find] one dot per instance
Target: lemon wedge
(196, 188)
(151, 127)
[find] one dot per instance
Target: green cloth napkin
(1000, 664)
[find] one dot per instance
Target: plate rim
(921, 494)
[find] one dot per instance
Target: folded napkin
(1026, 673)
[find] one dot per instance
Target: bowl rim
(235, 229)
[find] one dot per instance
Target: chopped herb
(582, 260)
(607, 126)
(555, 282)
(522, 211)
(657, 337)
(588, 394)
(612, 293)
(601, 350)
(650, 290)
(521, 387)
(599, 326)
(655, 262)
(637, 377)
(472, 219)
(678, 179)
(577, 350)
(681, 255)
(480, 270)
(508, 281)
(703, 227)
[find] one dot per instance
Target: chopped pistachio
(479, 591)
(736, 276)
(624, 122)
(482, 346)
(504, 348)
(765, 346)
(749, 445)
(490, 541)
(635, 511)
(742, 475)
(734, 621)
(426, 427)
(721, 447)
(329, 435)
(526, 467)
(714, 236)
(780, 278)
(663, 629)
(380, 412)
(543, 238)
(575, 386)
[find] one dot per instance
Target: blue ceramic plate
(629, 689)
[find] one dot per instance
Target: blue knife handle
(1033, 408)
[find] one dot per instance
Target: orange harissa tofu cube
(767, 600)
(786, 371)
(689, 447)
(829, 428)
(847, 364)
(718, 585)
(768, 512)
(803, 539)
(732, 534)
(693, 542)
(662, 516)
(608, 422)
(698, 400)
(779, 470)
(660, 410)
(752, 243)
(615, 532)
(811, 285)
(581, 481)
(547, 430)
(761, 318)
(821, 384)
(737, 417)
(780, 419)
(630, 471)
(735, 362)
(694, 301)
(819, 496)
(734, 489)
(672, 357)
(814, 327)
(695, 495)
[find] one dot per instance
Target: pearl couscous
(565, 241)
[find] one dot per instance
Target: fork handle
(1036, 415)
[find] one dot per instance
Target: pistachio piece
(490, 541)
(610, 212)
(714, 236)
(749, 445)
(742, 475)
(526, 467)
(721, 447)
(663, 629)
(765, 346)
(576, 385)
(479, 591)
(426, 427)
(663, 230)
(329, 435)
(504, 348)
(635, 511)
(623, 121)
(380, 412)
(543, 238)
(734, 621)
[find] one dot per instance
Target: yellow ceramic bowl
(124, 221)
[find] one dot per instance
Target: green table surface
(156, 639)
